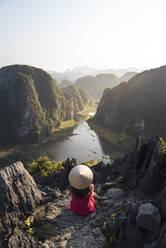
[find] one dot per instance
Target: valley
(72, 139)
(65, 126)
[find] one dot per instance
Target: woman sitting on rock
(82, 190)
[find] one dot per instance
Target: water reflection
(83, 145)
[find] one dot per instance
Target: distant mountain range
(95, 85)
(136, 107)
(79, 72)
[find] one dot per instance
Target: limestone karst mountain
(31, 104)
(65, 83)
(77, 97)
(137, 106)
(78, 72)
(74, 74)
(127, 76)
(96, 85)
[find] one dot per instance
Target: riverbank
(66, 127)
(120, 143)
(86, 112)
(64, 130)
(26, 153)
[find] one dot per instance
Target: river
(84, 144)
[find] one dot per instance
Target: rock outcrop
(142, 169)
(132, 215)
(149, 218)
(136, 107)
(19, 197)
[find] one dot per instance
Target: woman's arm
(99, 198)
(92, 189)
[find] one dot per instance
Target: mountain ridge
(137, 106)
(78, 72)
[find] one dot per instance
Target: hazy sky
(61, 34)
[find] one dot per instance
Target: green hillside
(138, 106)
(77, 97)
(96, 85)
(31, 104)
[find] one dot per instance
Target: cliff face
(19, 197)
(31, 104)
(136, 106)
(77, 97)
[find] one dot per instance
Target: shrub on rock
(44, 167)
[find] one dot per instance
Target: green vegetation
(119, 143)
(162, 145)
(111, 243)
(64, 127)
(136, 107)
(91, 108)
(91, 162)
(44, 167)
(27, 226)
(162, 152)
(77, 98)
(36, 106)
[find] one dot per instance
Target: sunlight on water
(91, 113)
(83, 145)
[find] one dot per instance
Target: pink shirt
(83, 206)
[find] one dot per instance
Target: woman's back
(83, 202)
(83, 206)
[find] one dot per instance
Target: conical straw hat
(80, 177)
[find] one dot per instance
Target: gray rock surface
(149, 218)
(22, 239)
(127, 218)
(141, 169)
(19, 196)
(115, 193)
(62, 228)
(161, 242)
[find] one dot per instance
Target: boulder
(148, 217)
